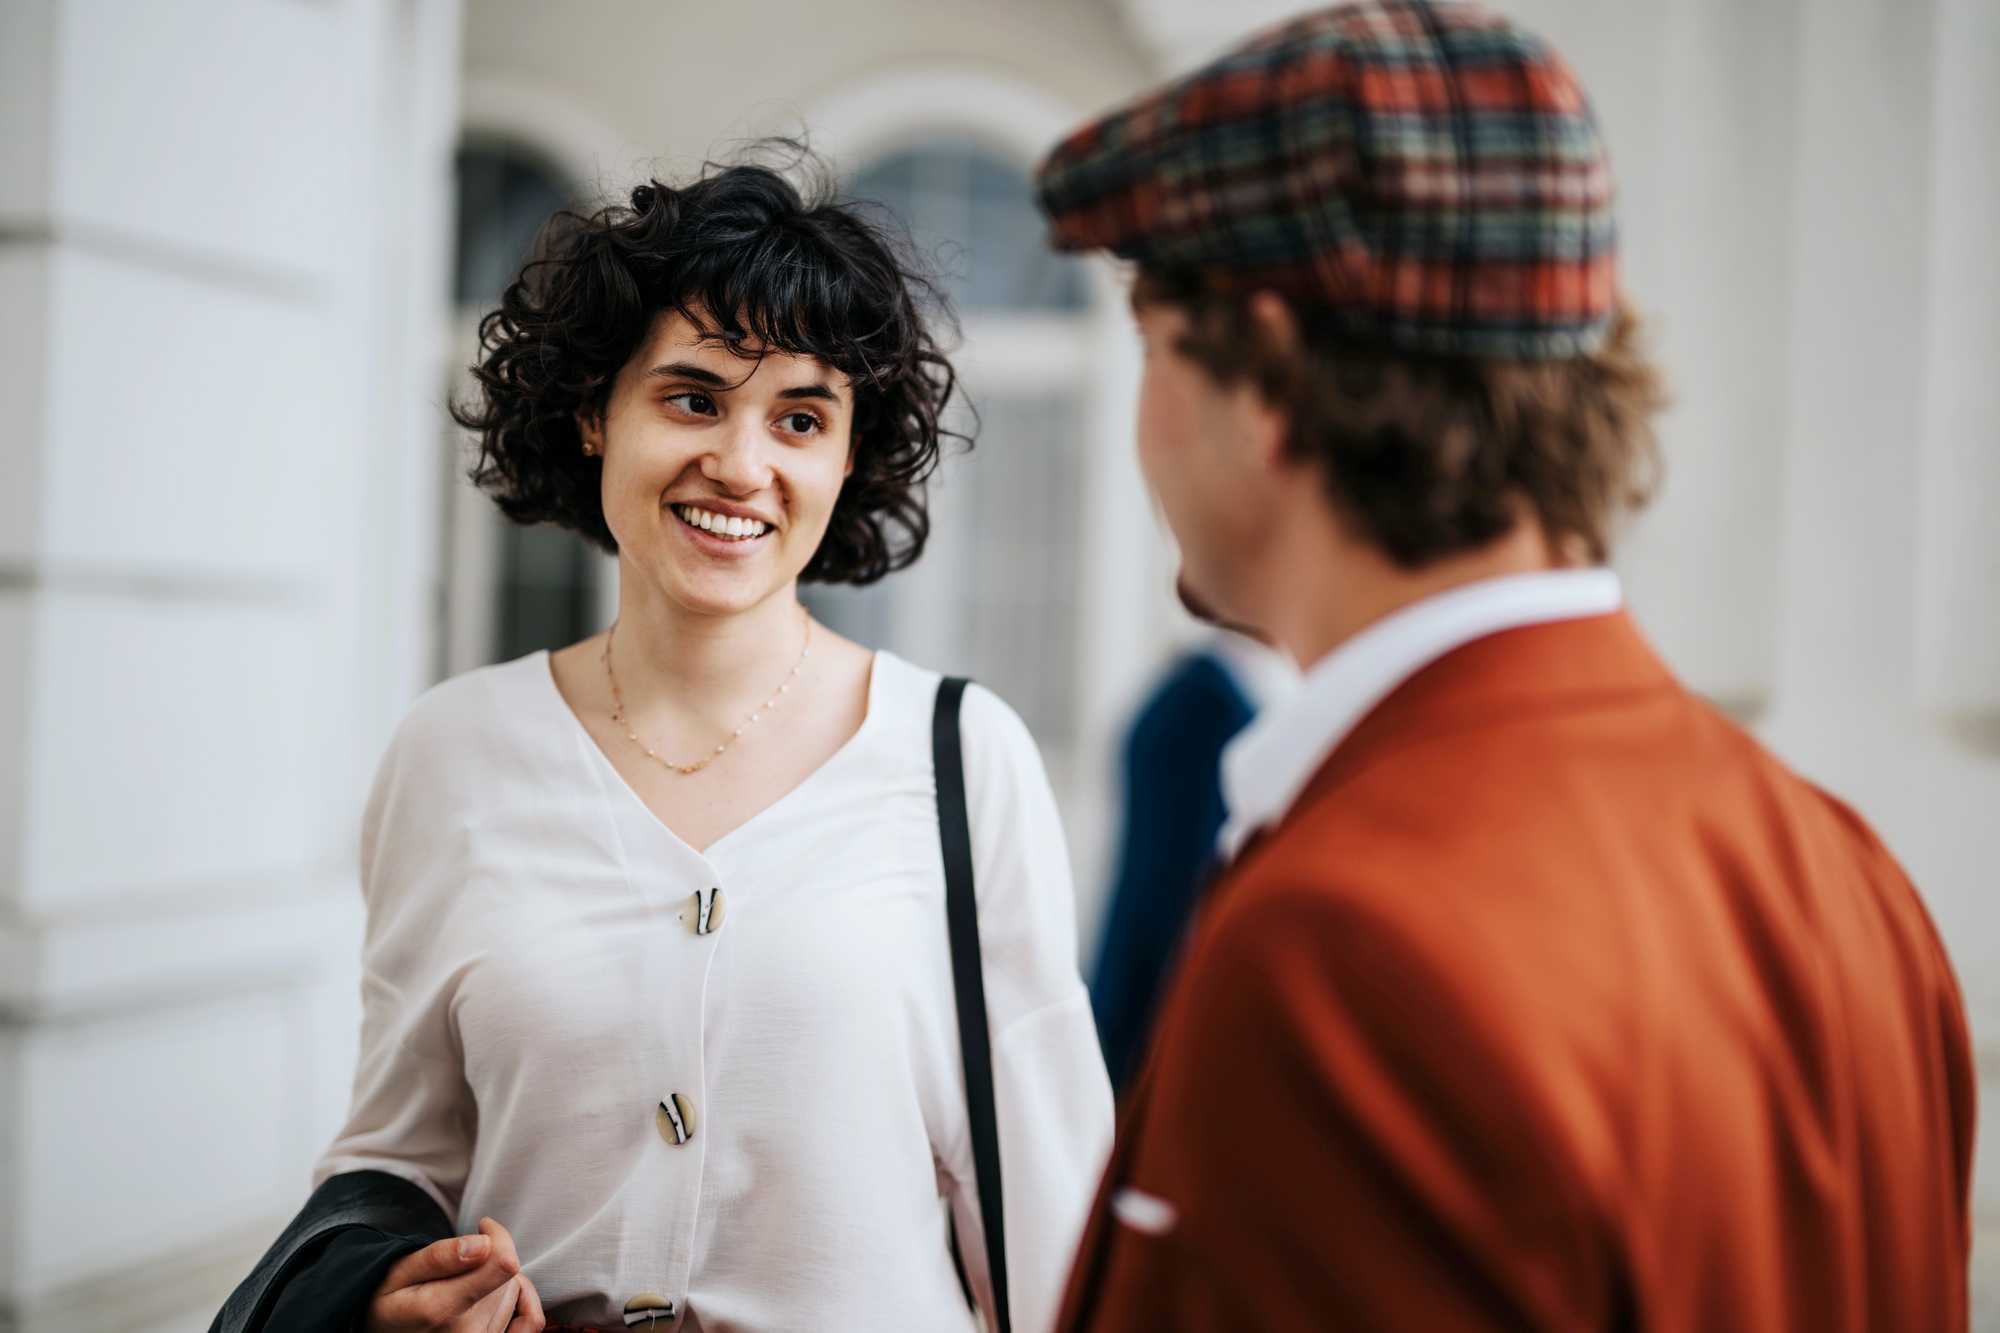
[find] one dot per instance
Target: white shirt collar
(1266, 676)
(1269, 763)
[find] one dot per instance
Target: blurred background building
(244, 242)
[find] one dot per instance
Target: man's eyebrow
(688, 370)
(814, 390)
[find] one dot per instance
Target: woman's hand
(462, 1284)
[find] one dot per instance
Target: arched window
(505, 194)
(995, 597)
(976, 211)
(509, 590)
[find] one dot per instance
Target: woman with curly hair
(659, 1007)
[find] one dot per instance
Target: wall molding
(281, 975)
(214, 268)
(156, 584)
(588, 149)
(193, 1280)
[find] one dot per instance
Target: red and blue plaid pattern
(1426, 175)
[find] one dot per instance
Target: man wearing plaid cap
(1537, 995)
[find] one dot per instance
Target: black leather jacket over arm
(318, 1275)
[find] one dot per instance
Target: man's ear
(1277, 328)
(1276, 324)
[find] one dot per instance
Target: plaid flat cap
(1426, 175)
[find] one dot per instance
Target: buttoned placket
(688, 908)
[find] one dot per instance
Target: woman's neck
(682, 713)
(701, 665)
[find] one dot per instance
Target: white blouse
(543, 1020)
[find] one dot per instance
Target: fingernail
(473, 1247)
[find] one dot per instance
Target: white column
(1958, 550)
(1128, 618)
(222, 225)
(1707, 179)
(1958, 609)
(1889, 453)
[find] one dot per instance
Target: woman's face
(720, 472)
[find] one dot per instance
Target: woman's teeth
(722, 525)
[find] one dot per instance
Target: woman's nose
(738, 462)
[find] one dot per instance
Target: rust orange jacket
(1557, 1004)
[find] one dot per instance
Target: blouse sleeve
(1052, 1096)
(413, 1113)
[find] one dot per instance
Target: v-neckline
(610, 770)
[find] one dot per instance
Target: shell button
(648, 1311)
(702, 913)
(675, 1120)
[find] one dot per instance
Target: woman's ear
(590, 428)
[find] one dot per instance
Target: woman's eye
(700, 404)
(802, 423)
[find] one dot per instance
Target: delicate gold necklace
(618, 704)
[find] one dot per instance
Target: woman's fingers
(447, 1300)
(444, 1259)
(528, 1315)
(526, 1311)
(468, 1284)
(493, 1311)
(502, 1242)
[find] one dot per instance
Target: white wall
(221, 231)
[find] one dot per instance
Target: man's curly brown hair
(745, 256)
(1430, 456)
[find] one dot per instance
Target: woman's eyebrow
(688, 370)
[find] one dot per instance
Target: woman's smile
(731, 529)
(747, 445)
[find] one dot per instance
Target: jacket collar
(1266, 767)
(1549, 668)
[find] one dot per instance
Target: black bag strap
(961, 912)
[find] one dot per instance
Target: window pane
(861, 614)
(504, 197)
(976, 212)
(994, 597)
(547, 592)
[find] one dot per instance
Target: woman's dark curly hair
(740, 252)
